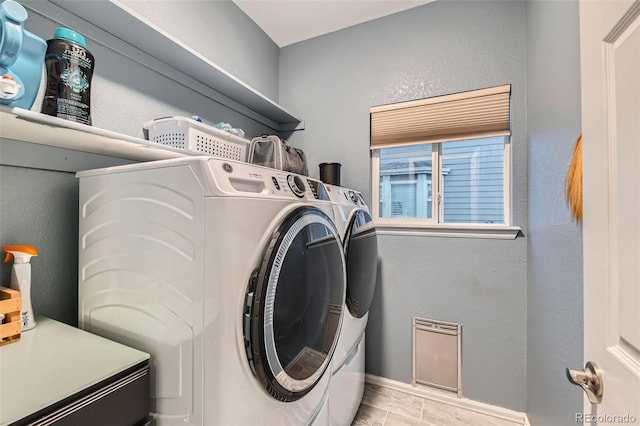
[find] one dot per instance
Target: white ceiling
(291, 21)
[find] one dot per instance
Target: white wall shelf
(28, 126)
(112, 24)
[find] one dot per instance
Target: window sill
(502, 232)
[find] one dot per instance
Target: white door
(610, 73)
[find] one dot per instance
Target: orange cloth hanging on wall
(573, 186)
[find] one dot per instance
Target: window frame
(433, 226)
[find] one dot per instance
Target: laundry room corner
(479, 283)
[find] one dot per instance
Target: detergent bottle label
(69, 71)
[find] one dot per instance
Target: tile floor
(382, 406)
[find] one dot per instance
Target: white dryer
(231, 275)
(358, 234)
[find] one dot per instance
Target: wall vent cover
(437, 354)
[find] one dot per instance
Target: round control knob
(297, 185)
(353, 196)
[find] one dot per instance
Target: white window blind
(468, 115)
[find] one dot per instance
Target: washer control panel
(296, 184)
(275, 182)
(318, 189)
(239, 177)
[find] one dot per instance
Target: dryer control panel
(352, 197)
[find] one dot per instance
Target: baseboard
(450, 399)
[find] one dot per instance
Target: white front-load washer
(232, 276)
(356, 228)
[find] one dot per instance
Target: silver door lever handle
(590, 380)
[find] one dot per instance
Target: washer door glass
(361, 253)
(294, 304)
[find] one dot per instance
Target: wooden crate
(10, 306)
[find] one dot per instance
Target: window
(443, 162)
(405, 182)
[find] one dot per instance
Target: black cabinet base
(120, 400)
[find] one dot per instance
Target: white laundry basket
(190, 134)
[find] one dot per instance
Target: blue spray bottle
(21, 57)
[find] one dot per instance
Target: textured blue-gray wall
(39, 208)
(436, 49)
(219, 30)
(554, 297)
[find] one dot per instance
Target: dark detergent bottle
(69, 71)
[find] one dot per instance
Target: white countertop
(54, 361)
